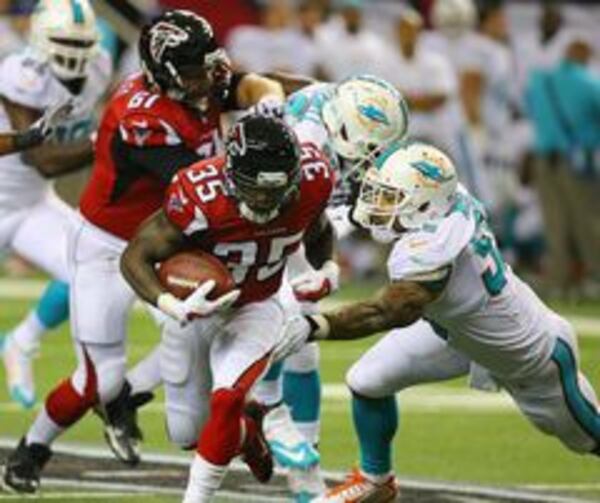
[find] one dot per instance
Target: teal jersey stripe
(582, 410)
(78, 16)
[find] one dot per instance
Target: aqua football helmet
(363, 117)
(409, 184)
(64, 33)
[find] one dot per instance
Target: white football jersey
(303, 113)
(27, 81)
(484, 311)
(474, 52)
(430, 72)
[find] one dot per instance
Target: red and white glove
(294, 336)
(269, 106)
(313, 285)
(197, 305)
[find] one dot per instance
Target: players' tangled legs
(264, 201)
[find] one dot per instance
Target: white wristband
(320, 327)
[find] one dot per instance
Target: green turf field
(442, 436)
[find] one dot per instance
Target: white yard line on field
(464, 492)
(75, 495)
(30, 289)
(425, 399)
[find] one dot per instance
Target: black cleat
(255, 451)
(121, 431)
(23, 467)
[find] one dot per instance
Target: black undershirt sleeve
(133, 162)
(230, 101)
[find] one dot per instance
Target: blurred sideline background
(475, 74)
(511, 90)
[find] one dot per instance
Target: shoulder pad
(422, 253)
(25, 80)
(180, 207)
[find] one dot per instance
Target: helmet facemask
(196, 84)
(65, 34)
(263, 166)
(378, 205)
(262, 198)
(68, 58)
(409, 185)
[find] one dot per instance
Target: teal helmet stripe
(78, 16)
(430, 170)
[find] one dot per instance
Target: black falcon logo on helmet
(164, 35)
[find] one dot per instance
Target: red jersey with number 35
(119, 197)
(199, 204)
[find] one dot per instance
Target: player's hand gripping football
(313, 285)
(197, 305)
(295, 335)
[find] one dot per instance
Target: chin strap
(258, 218)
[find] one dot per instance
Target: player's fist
(196, 305)
(269, 106)
(294, 336)
(313, 285)
(53, 117)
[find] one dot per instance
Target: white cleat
(359, 489)
(289, 447)
(306, 485)
(19, 372)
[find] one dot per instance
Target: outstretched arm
(37, 132)
(49, 160)
(291, 82)
(399, 304)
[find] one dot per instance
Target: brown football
(182, 273)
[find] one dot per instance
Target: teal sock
(375, 422)
(274, 372)
(302, 394)
(268, 389)
(53, 306)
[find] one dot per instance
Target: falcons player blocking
(251, 209)
(155, 136)
(158, 121)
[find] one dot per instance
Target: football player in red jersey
(163, 119)
(251, 209)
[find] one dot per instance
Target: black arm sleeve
(163, 162)
(229, 101)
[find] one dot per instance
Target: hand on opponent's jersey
(313, 285)
(53, 117)
(197, 305)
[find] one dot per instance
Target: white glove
(53, 117)
(197, 305)
(269, 106)
(313, 285)
(295, 335)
